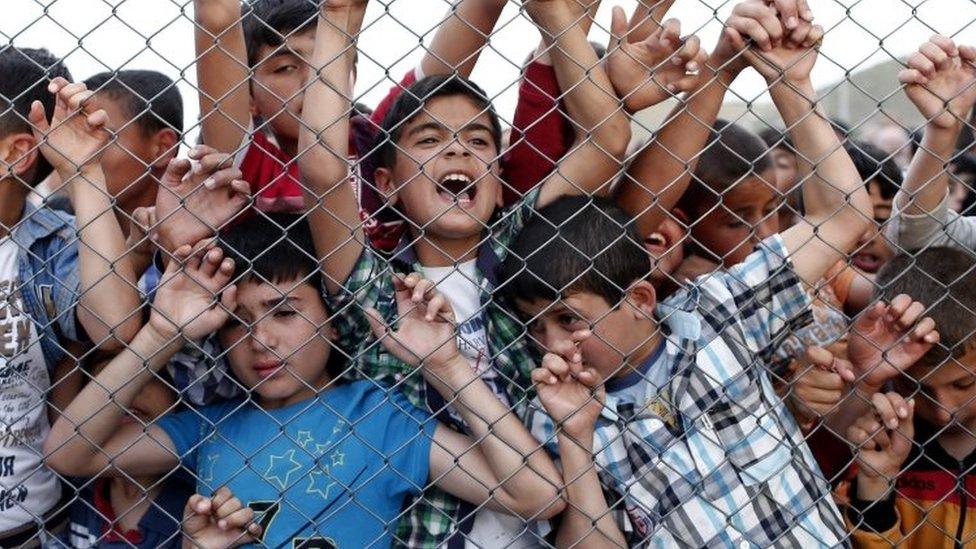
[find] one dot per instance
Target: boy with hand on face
(914, 438)
(692, 442)
(306, 452)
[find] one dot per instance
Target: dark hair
(410, 104)
(776, 139)
(965, 164)
(269, 22)
(576, 244)
(277, 248)
(149, 98)
(875, 165)
(731, 154)
(24, 76)
(272, 248)
(942, 279)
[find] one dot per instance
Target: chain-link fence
(305, 273)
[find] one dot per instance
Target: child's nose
(262, 338)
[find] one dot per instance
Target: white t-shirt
(461, 286)
(27, 488)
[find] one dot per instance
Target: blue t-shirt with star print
(330, 471)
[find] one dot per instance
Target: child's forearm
(222, 73)
(458, 42)
(660, 173)
(589, 96)
(837, 208)
(108, 293)
(587, 520)
(324, 145)
(523, 471)
(93, 416)
(820, 156)
(927, 181)
(584, 14)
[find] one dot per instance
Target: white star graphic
(287, 465)
(319, 483)
(208, 468)
(304, 438)
(338, 458)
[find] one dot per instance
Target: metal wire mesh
(301, 273)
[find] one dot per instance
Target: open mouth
(656, 243)
(866, 262)
(457, 188)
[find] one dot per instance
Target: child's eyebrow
(283, 51)
(278, 301)
(472, 127)
(426, 126)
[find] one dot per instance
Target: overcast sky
(97, 35)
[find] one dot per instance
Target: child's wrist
(454, 372)
(872, 488)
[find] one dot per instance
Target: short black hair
(410, 103)
(575, 244)
(24, 76)
(273, 248)
(944, 280)
(149, 98)
(277, 248)
(875, 165)
(731, 154)
(776, 139)
(269, 22)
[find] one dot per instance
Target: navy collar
(638, 374)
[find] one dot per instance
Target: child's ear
(383, 180)
(642, 299)
(165, 146)
(18, 153)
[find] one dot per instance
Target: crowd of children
(328, 326)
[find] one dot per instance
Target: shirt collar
(638, 374)
(37, 223)
(404, 258)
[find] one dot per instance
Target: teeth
(657, 239)
(460, 177)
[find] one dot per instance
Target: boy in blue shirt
(318, 461)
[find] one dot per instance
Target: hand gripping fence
(487, 273)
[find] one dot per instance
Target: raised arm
(500, 465)
(837, 207)
(87, 439)
(462, 35)
(941, 82)
(223, 75)
(603, 129)
(323, 142)
(660, 173)
(573, 398)
(73, 143)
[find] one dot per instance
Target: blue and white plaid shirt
(716, 459)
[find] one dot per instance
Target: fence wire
(640, 309)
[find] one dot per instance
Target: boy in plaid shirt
(686, 443)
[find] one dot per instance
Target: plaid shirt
(716, 459)
(429, 520)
